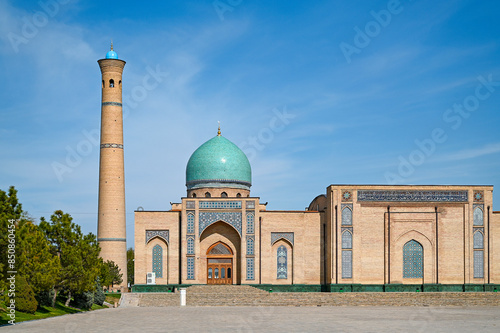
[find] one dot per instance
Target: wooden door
(220, 271)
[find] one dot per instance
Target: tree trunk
(69, 299)
(54, 298)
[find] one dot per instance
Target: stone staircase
(236, 295)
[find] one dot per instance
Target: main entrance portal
(220, 264)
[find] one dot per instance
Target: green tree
(78, 254)
(130, 266)
(110, 274)
(25, 297)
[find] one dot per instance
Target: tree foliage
(130, 265)
(110, 274)
(25, 297)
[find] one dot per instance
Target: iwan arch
(352, 237)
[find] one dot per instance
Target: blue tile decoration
(413, 260)
(250, 245)
(250, 204)
(478, 215)
(112, 145)
(478, 264)
(281, 259)
(347, 195)
(190, 222)
(275, 236)
(478, 240)
(190, 268)
(347, 239)
(112, 103)
(190, 245)
(207, 218)
(346, 264)
(250, 223)
(478, 196)
(190, 204)
(346, 214)
(163, 234)
(250, 269)
(220, 204)
(413, 196)
(220, 163)
(158, 261)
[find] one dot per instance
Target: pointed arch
(413, 260)
(478, 216)
(220, 248)
(157, 261)
(347, 240)
(190, 245)
(346, 215)
(478, 240)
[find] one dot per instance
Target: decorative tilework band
(112, 145)
(111, 239)
(232, 218)
(163, 234)
(413, 196)
(276, 236)
(112, 103)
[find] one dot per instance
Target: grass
(43, 312)
(113, 297)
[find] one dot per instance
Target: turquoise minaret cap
(111, 54)
(218, 163)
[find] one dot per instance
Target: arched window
(111, 83)
(158, 261)
(208, 195)
(238, 195)
(347, 240)
(120, 83)
(478, 216)
(250, 247)
(103, 83)
(194, 195)
(478, 240)
(413, 260)
(223, 195)
(250, 223)
(282, 262)
(190, 245)
(190, 223)
(346, 216)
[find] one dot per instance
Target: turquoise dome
(111, 55)
(218, 163)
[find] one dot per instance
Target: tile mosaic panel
(275, 236)
(413, 196)
(232, 218)
(413, 260)
(282, 261)
(220, 204)
(163, 234)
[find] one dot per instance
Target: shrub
(25, 297)
(99, 296)
(84, 300)
(45, 297)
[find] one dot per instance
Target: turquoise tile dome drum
(218, 163)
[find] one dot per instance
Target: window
(347, 240)
(190, 223)
(190, 268)
(208, 195)
(210, 273)
(478, 240)
(194, 195)
(190, 245)
(250, 269)
(111, 83)
(250, 247)
(478, 264)
(347, 264)
(413, 260)
(250, 223)
(346, 216)
(238, 195)
(223, 195)
(282, 263)
(158, 261)
(478, 216)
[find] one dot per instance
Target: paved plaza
(272, 319)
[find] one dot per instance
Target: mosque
(350, 238)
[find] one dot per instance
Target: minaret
(111, 226)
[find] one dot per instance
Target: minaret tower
(111, 228)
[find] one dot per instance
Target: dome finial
(218, 131)
(111, 44)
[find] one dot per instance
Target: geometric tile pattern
(347, 264)
(157, 261)
(346, 214)
(413, 196)
(190, 204)
(250, 269)
(250, 204)
(220, 204)
(250, 245)
(164, 234)
(282, 262)
(347, 196)
(111, 145)
(478, 196)
(190, 222)
(413, 260)
(207, 218)
(250, 222)
(111, 103)
(275, 236)
(478, 214)
(347, 240)
(190, 268)
(190, 245)
(478, 240)
(478, 264)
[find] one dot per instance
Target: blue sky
(315, 93)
